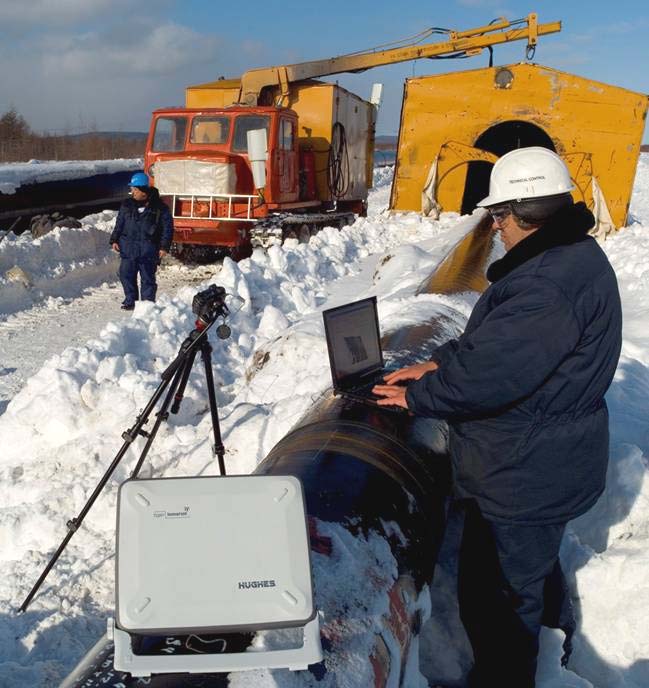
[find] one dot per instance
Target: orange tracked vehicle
(313, 142)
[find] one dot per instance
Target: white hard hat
(527, 173)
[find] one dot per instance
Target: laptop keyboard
(365, 389)
(363, 393)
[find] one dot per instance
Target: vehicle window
(243, 124)
(210, 130)
(286, 135)
(169, 134)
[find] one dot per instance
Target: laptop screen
(353, 340)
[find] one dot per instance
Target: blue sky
(105, 64)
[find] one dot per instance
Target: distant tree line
(18, 143)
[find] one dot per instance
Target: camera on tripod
(208, 305)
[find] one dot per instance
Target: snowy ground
(63, 293)
(75, 371)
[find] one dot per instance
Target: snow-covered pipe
(73, 196)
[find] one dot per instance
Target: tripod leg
(178, 397)
(178, 383)
(219, 449)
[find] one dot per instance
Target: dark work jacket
(523, 387)
(142, 235)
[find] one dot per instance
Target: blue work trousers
(510, 582)
(128, 272)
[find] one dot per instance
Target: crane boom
(470, 42)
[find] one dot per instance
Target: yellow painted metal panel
(318, 106)
(596, 127)
(215, 94)
(314, 105)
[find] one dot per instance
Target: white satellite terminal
(210, 555)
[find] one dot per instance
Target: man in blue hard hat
(142, 236)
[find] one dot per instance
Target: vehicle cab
(196, 151)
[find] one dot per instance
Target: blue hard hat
(139, 179)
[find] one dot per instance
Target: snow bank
(639, 208)
(13, 175)
(62, 263)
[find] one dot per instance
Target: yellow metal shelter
(454, 126)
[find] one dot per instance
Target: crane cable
(417, 38)
(403, 42)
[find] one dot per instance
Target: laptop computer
(355, 354)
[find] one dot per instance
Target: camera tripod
(208, 305)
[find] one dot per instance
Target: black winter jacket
(143, 234)
(523, 387)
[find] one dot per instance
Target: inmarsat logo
(172, 514)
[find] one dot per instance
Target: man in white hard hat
(523, 392)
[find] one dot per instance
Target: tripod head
(208, 305)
